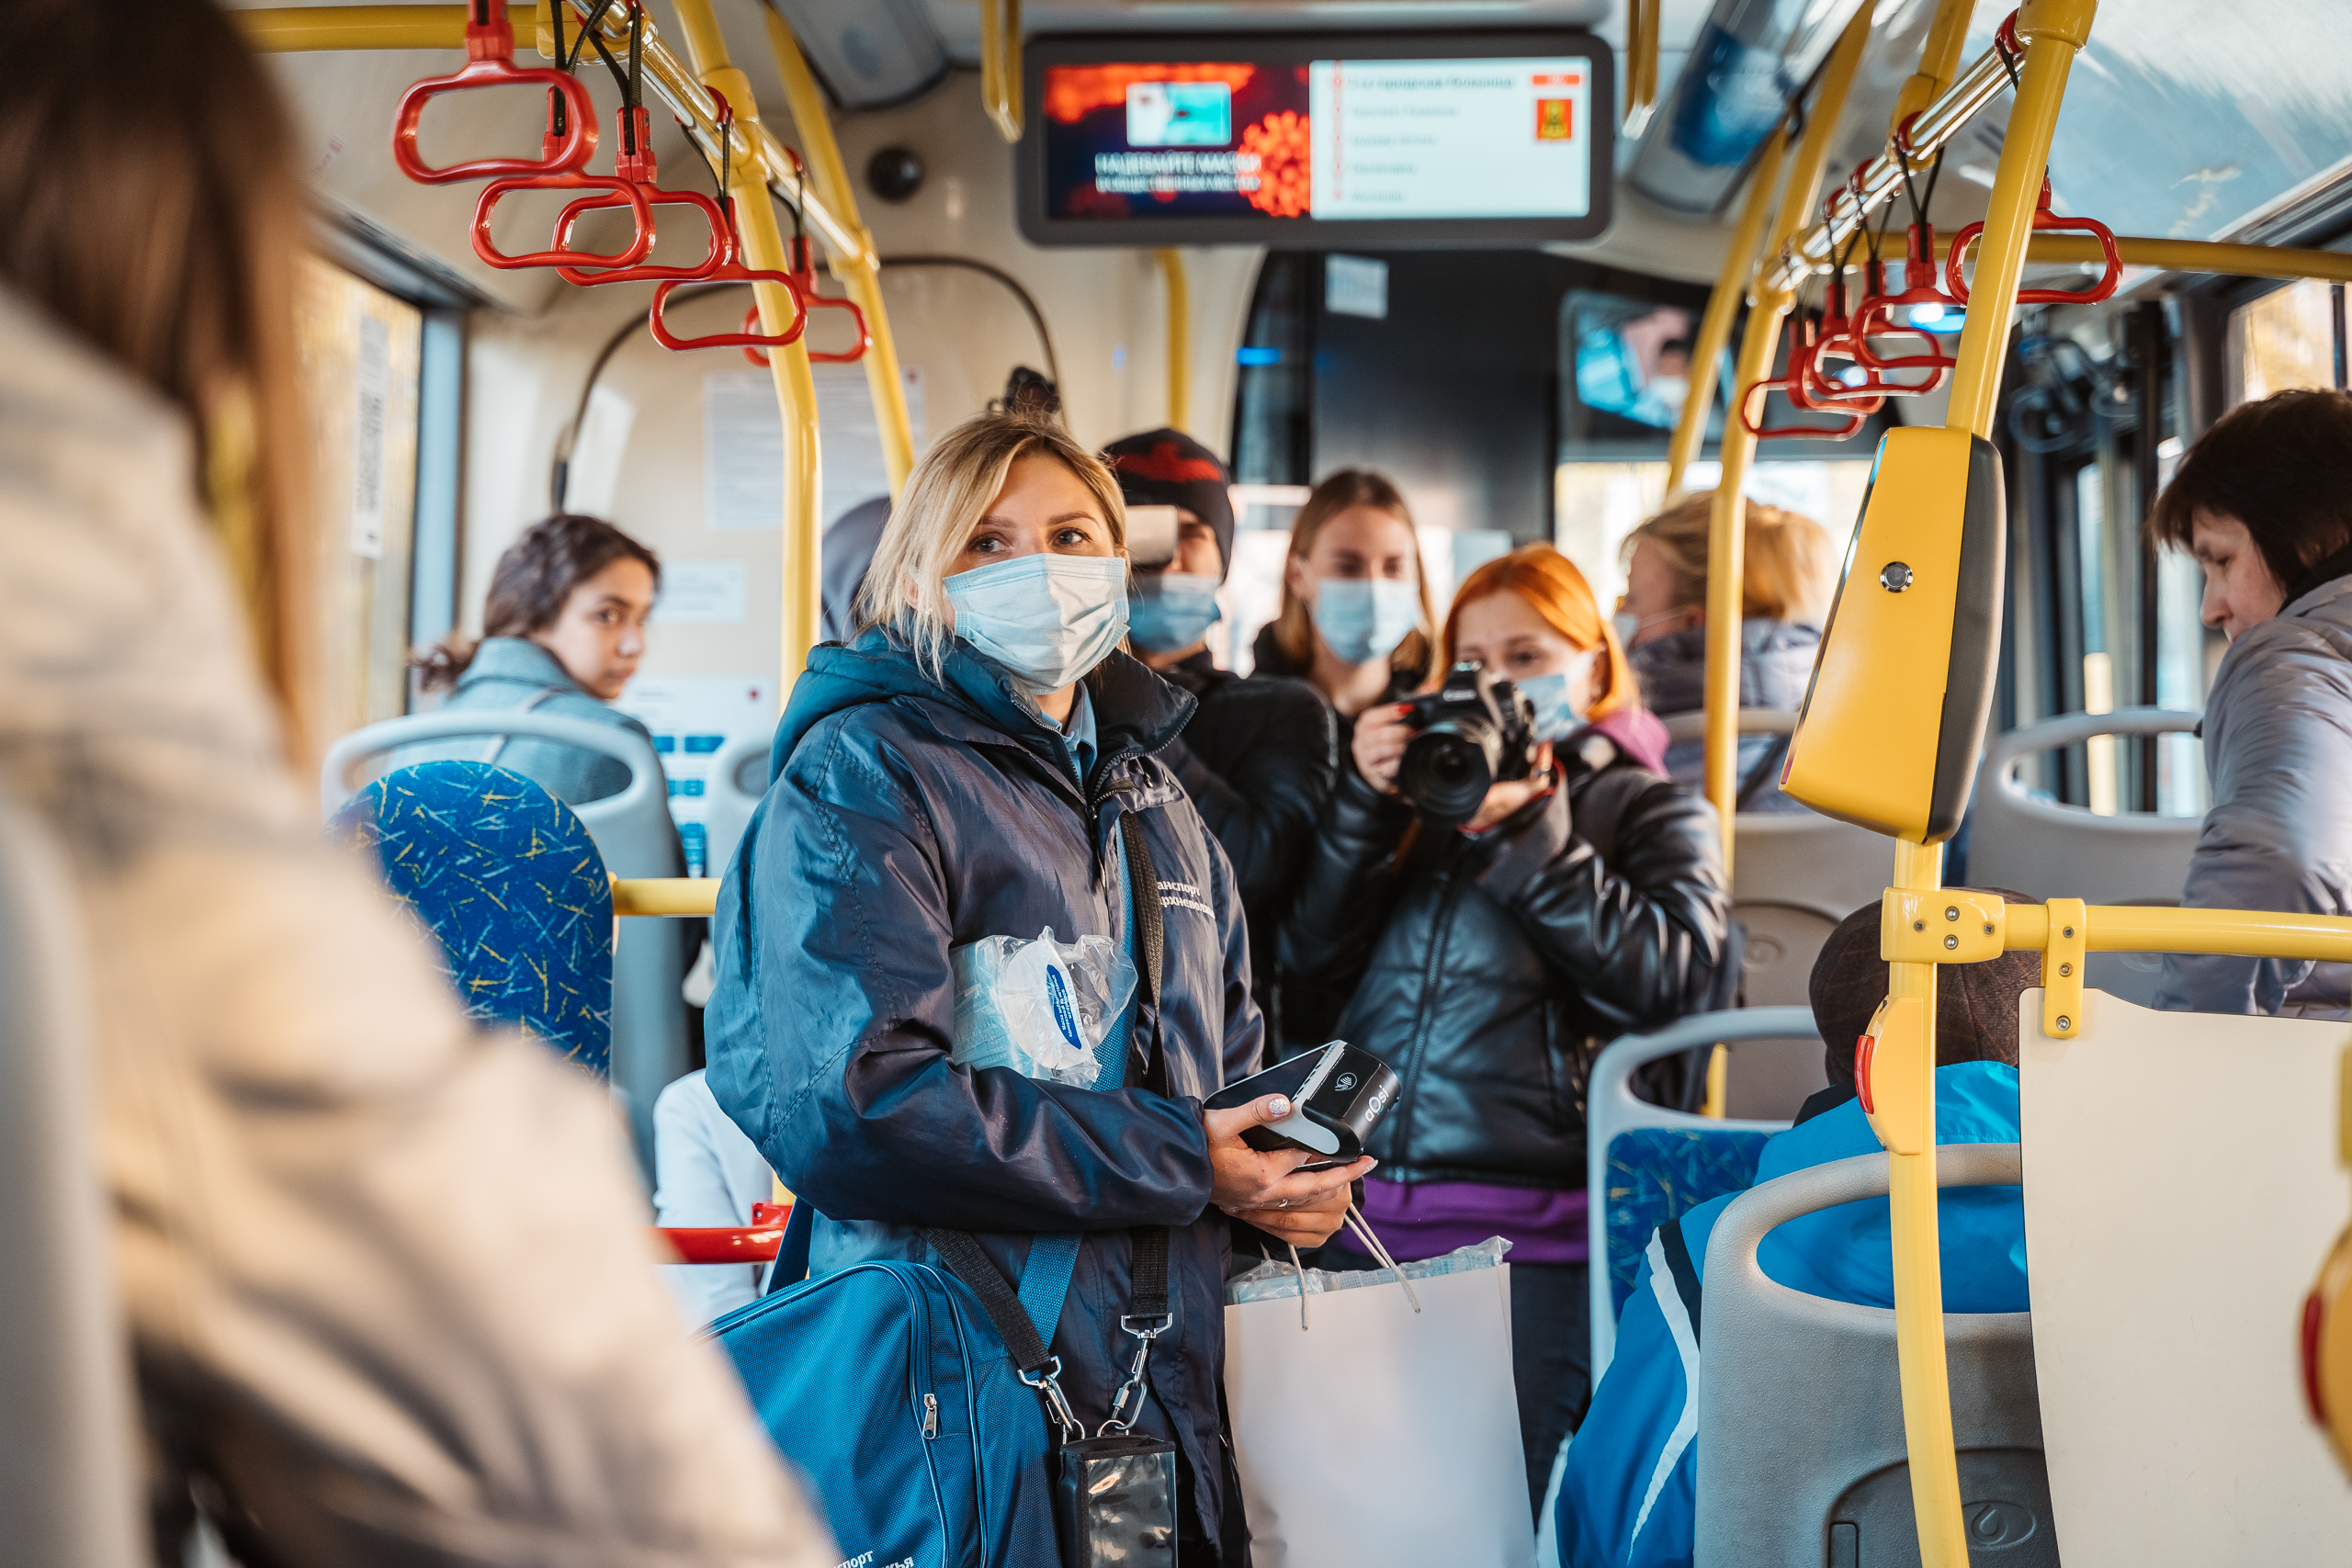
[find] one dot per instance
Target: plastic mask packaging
(1363, 618)
(1039, 1008)
(1169, 610)
(1047, 619)
(1561, 699)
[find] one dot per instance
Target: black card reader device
(1338, 1094)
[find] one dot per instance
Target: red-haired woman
(1489, 962)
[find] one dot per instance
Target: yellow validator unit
(1892, 723)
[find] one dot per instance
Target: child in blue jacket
(1624, 1487)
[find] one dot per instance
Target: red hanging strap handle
(1873, 317)
(633, 161)
(618, 193)
(490, 62)
(1791, 383)
(750, 338)
(2045, 223)
(755, 1243)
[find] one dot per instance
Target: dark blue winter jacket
(910, 817)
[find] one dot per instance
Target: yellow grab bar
(1723, 308)
(1180, 339)
(1641, 64)
(858, 268)
(684, 896)
(1001, 65)
(796, 389)
(1726, 543)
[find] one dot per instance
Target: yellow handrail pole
(675, 896)
(1001, 65)
(1641, 64)
(796, 389)
(1726, 544)
(2052, 30)
(1722, 309)
(292, 29)
(860, 273)
(1180, 339)
(1938, 62)
(2187, 256)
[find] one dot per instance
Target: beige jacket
(384, 1273)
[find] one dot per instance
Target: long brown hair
(1790, 562)
(148, 178)
(1557, 591)
(1416, 656)
(530, 583)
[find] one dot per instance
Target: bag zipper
(930, 1417)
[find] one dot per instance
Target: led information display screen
(1392, 139)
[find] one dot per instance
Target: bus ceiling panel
(870, 54)
(2184, 119)
(957, 23)
(344, 103)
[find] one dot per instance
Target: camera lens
(1449, 767)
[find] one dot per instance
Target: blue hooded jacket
(909, 817)
(1627, 1486)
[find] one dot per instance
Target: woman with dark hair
(562, 632)
(382, 1276)
(2264, 502)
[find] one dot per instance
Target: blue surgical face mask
(1363, 618)
(1047, 619)
(1169, 610)
(1560, 699)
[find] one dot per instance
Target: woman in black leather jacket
(1489, 963)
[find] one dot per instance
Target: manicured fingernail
(1279, 1105)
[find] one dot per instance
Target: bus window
(2288, 337)
(359, 349)
(1596, 504)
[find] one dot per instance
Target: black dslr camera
(1476, 732)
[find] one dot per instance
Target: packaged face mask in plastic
(1040, 1007)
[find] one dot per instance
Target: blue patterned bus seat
(1656, 1174)
(510, 886)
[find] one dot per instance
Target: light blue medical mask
(1363, 618)
(1628, 624)
(1047, 619)
(1169, 610)
(1560, 699)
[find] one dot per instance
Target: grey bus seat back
(635, 834)
(2185, 1189)
(1795, 875)
(2049, 850)
(739, 781)
(69, 1458)
(1801, 1459)
(1707, 1155)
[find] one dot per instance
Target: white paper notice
(700, 594)
(742, 451)
(594, 472)
(743, 445)
(691, 717)
(374, 381)
(1451, 138)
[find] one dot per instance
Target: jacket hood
(1134, 708)
(517, 659)
(1636, 733)
(1775, 666)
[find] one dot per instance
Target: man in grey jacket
(2264, 502)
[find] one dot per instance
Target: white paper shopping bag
(1378, 1437)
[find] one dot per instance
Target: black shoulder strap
(1150, 937)
(966, 1258)
(1149, 1266)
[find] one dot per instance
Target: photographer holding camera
(1505, 881)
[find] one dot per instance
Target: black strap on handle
(1148, 1268)
(972, 1265)
(1150, 936)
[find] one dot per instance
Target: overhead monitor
(1320, 141)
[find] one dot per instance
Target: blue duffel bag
(887, 1385)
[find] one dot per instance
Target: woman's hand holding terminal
(1266, 1189)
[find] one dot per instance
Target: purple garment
(1429, 1219)
(1637, 732)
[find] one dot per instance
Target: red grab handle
(1792, 384)
(490, 62)
(755, 1243)
(750, 338)
(2045, 223)
(627, 192)
(652, 196)
(1873, 317)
